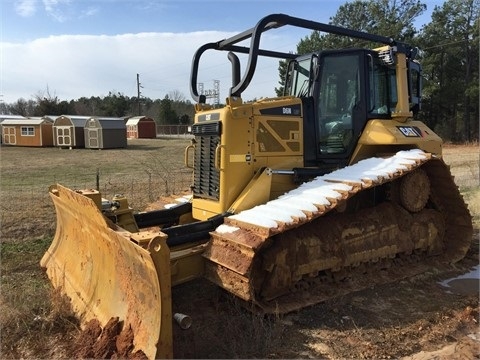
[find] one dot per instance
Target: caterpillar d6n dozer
(290, 195)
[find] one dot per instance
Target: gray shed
(68, 131)
(105, 133)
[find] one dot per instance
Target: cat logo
(410, 131)
(287, 111)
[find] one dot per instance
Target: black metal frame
(270, 22)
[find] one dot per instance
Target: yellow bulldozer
(290, 194)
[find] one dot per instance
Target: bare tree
(176, 96)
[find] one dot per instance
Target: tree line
(450, 44)
(173, 109)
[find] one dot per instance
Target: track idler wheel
(414, 190)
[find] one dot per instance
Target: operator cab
(347, 88)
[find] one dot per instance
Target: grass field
(34, 321)
(142, 172)
(464, 164)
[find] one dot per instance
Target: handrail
(267, 23)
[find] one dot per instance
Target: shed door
(8, 135)
(132, 131)
(64, 135)
(93, 138)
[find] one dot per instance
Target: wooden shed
(105, 133)
(28, 131)
(68, 131)
(6, 116)
(141, 127)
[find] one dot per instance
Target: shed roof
(44, 118)
(110, 122)
(26, 121)
(77, 120)
(5, 117)
(136, 119)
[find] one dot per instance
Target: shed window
(28, 131)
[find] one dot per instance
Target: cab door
(340, 110)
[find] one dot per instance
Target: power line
(445, 44)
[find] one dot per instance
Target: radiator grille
(206, 176)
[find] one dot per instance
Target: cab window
(383, 88)
(338, 95)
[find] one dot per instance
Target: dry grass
(35, 322)
(464, 164)
(142, 172)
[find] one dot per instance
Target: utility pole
(138, 95)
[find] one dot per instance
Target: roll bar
(270, 22)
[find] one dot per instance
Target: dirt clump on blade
(111, 342)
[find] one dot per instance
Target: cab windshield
(338, 95)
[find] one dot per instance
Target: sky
(82, 48)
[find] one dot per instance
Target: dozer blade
(106, 275)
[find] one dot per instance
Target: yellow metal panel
(386, 136)
(256, 192)
(402, 111)
(238, 158)
(239, 155)
(203, 209)
(187, 264)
